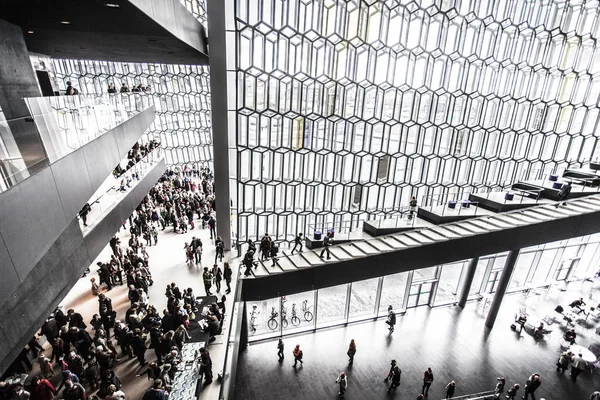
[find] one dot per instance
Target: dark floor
(452, 342)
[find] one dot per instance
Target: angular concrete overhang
(34, 295)
(161, 31)
(422, 248)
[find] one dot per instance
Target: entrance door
(420, 294)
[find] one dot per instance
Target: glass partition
(519, 276)
(362, 298)
(448, 284)
(331, 308)
(66, 123)
(393, 292)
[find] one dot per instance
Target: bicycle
(272, 322)
(295, 320)
(308, 316)
(253, 318)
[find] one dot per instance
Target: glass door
(420, 294)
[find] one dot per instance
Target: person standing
(564, 360)
(351, 351)
(578, 365)
(156, 392)
(342, 380)
(391, 319)
(206, 365)
(227, 275)
(280, 348)
(42, 389)
(297, 242)
(450, 388)
(218, 277)
(512, 392)
(395, 378)
(219, 249)
(297, 356)
(531, 386)
(412, 207)
(212, 225)
(391, 373)
(427, 381)
(327, 242)
(207, 278)
(499, 387)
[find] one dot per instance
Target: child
(512, 392)
(95, 287)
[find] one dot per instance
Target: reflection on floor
(453, 342)
(167, 264)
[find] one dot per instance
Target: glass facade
(553, 263)
(345, 109)
(180, 94)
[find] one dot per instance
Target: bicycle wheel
(295, 321)
(272, 324)
(308, 316)
(284, 323)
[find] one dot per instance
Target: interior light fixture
(112, 5)
(29, 32)
(65, 22)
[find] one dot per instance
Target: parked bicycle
(273, 323)
(254, 319)
(308, 315)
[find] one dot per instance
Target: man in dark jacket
(156, 392)
(212, 225)
(563, 194)
(155, 336)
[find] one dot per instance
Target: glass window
(585, 266)
(264, 319)
(392, 292)
(362, 298)
(298, 310)
(521, 270)
(478, 278)
(425, 274)
(544, 266)
(331, 307)
(420, 294)
(448, 283)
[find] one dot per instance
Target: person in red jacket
(42, 389)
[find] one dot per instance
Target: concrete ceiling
(97, 31)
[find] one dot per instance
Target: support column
(467, 282)
(509, 266)
(244, 329)
(218, 104)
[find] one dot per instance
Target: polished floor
(453, 342)
(167, 264)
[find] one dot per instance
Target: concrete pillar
(244, 330)
(17, 81)
(509, 266)
(467, 282)
(220, 130)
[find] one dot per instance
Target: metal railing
(476, 396)
(461, 201)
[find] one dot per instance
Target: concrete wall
(17, 81)
(36, 294)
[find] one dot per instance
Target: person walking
(342, 380)
(351, 351)
(427, 381)
(564, 360)
(227, 275)
(327, 242)
(512, 392)
(450, 388)
(280, 348)
(207, 278)
(499, 387)
(395, 378)
(219, 249)
(297, 242)
(578, 365)
(531, 386)
(297, 356)
(212, 225)
(391, 373)
(412, 207)
(391, 319)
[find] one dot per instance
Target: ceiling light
(65, 22)
(112, 5)
(29, 32)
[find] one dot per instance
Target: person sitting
(212, 328)
(577, 304)
(539, 331)
(570, 336)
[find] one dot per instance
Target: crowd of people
(85, 354)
